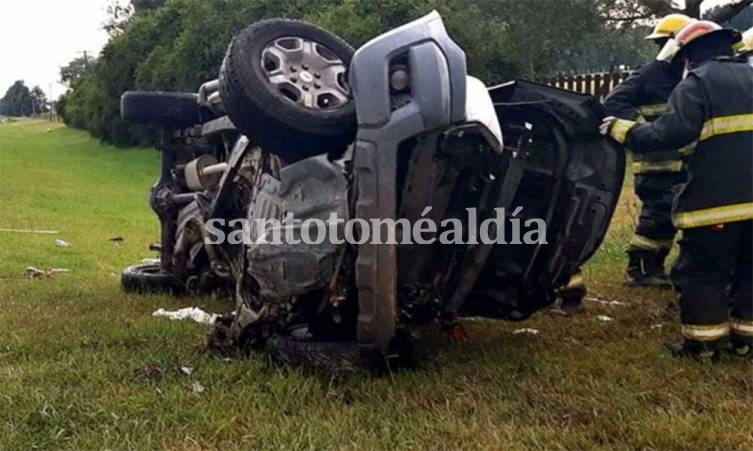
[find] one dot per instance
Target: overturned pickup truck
(301, 125)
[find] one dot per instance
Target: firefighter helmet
(701, 29)
(668, 26)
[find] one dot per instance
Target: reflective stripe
(712, 216)
(576, 281)
(689, 149)
(641, 242)
(643, 167)
(720, 126)
(726, 124)
(620, 129)
(656, 109)
(705, 333)
(742, 327)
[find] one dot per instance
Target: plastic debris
(605, 301)
(187, 370)
(62, 243)
(40, 232)
(604, 318)
(525, 330)
(197, 387)
(192, 313)
(657, 326)
(41, 273)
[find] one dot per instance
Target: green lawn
(84, 366)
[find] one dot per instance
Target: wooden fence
(597, 84)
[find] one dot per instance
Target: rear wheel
(162, 109)
(283, 84)
(148, 278)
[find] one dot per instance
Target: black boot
(741, 348)
(572, 295)
(646, 269)
(694, 350)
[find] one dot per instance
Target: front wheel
(283, 84)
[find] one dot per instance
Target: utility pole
(50, 100)
(86, 59)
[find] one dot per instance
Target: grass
(85, 366)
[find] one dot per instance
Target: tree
(118, 14)
(726, 11)
(38, 100)
(143, 5)
(76, 69)
(631, 11)
(17, 101)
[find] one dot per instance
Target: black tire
(268, 117)
(161, 109)
(148, 278)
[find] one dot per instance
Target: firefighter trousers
(654, 233)
(714, 274)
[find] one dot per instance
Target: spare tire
(148, 278)
(284, 85)
(162, 109)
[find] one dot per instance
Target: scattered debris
(41, 273)
(39, 232)
(62, 243)
(605, 301)
(197, 387)
(657, 326)
(526, 330)
(192, 313)
(187, 370)
(604, 318)
(150, 371)
(476, 319)
(116, 239)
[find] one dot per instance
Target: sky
(39, 36)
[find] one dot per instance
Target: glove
(616, 128)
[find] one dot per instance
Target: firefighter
(746, 48)
(709, 118)
(572, 294)
(644, 95)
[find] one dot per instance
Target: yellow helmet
(669, 25)
(747, 41)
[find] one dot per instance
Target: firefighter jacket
(709, 118)
(643, 97)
